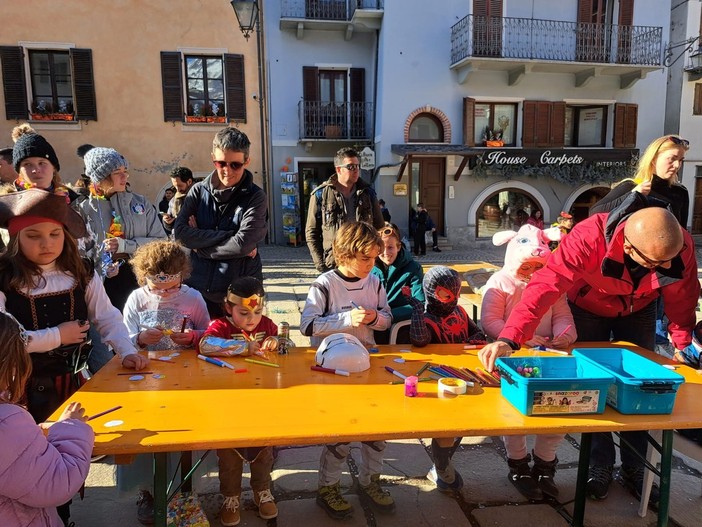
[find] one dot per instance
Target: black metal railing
(534, 39)
(335, 120)
(326, 9)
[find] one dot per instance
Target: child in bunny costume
(527, 252)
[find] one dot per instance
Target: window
(426, 128)
(59, 83)
(507, 209)
(203, 88)
(585, 125)
(492, 119)
(332, 86)
(697, 101)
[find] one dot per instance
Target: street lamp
(248, 14)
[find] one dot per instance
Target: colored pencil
(103, 413)
(262, 363)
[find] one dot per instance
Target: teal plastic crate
(641, 386)
(566, 385)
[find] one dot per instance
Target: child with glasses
(164, 313)
(396, 269)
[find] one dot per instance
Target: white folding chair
(395, 329)
(680, 444)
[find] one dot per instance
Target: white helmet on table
(343, 352)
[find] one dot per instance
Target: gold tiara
(163, 278)
(251, 303)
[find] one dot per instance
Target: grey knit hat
(101, 162)
(33, 145)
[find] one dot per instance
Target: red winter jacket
(589, 266)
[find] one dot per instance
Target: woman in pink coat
(37, 472)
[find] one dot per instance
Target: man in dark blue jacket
(222, 221)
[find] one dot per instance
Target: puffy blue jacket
(404, 271)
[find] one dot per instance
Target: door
(311, 174)
(428, 175)
(697, 204)
(487, 28)
(594, 30)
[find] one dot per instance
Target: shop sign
(559, 157)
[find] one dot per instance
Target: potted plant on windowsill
(45, 111)
(493, 138)
(205, 113)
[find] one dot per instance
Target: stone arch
(441, 116)
(475, 207)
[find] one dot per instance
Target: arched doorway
(505, 209)
(580, 209)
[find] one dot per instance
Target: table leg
(186, 465)
(666, 466)
(581, 480)
(160, 488)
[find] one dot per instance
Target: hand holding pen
(148, 336)
(361, 315)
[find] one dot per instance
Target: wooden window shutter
(529, 124)
(235, 87)
(625, 125)
(557, 132)
(584, 11)
(13, 79)
(310, 83)
(84, 84)
(626, 12)
(697, 103)
(358, 85)
(172, 80)
(468, 121)
(495, 8)
(542, 124)
(480, 7)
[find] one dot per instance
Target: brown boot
(230, 515)
(266, 504)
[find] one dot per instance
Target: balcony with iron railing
(510, 44)
(342, 15)
(335, 120)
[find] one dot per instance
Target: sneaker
(633, 482)
(266, 504)
(543, 473)
(333, 503)
(145, 508)
(441, 482)
(436, 249)
(229, 514)
(520, 476)
(598, 480)
(378, 497)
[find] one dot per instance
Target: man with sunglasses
(222, 220)
(613, 267)
(342, 198)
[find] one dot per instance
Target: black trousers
(420, 244)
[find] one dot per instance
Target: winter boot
(520, 476)
(543, 473)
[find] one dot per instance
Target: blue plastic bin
(641, 386)
(567, 385)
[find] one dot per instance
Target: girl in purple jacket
(37, 472)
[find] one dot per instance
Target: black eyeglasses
(679, 141)
(234, 165)
(652, 263)
(351, 167)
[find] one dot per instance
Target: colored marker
(330, 370)
(395, 372)
(563, 332)
(262, 363)
(240, 370)
(185, 321)
(216, 362)
(103, 413)
(354, 304)
(132, 373)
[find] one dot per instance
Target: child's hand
(371, 316)
(167, 218)
(358, 315)
(492, 351)
(111, 245)
(538, 340)
(186, 338)
(73, 332)
(134, 361)
(149, 336)
(255, 348)
(74, 411)
(112, 270)
(560, 343)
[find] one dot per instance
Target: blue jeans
(637, 328)
(661, 323)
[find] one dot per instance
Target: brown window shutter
(495, 8)
(84, 84)
(468, 121)
(235, 87)
(625, 125)
(543, 124)
(358, 85)
(310, 83)
(557, 136)
(626, 12)
(13, 79)
(697, 103)
(172, 80)
(529, 124)
(585, 11)
(480, 8)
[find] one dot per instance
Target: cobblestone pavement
(488, 499)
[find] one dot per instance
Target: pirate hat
(27, 207)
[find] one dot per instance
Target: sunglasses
(234, 165)
(679, 141)
(351, 167)
(652, 263)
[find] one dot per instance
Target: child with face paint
(244, 322)
(442, 321)
(164, 313)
